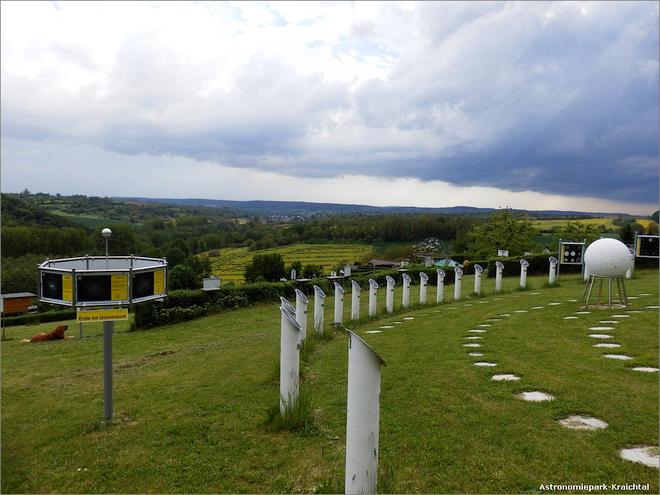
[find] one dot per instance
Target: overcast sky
(527, 104)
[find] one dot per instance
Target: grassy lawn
(190, 400)
(230, 264)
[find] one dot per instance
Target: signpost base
(108, 330)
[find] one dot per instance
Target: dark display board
(570, 253)
(646, 246)
(94, 288)
(51, 285)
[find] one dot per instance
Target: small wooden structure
(16, 303)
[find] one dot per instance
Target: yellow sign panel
(119, 288)
(102, 315)
(159, 281)
(67, 287)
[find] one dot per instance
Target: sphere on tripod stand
(607, 258)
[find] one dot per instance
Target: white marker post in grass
(405, 296)
(301, 313)
(362, 417)
(373, 295)
(289, 357)
(477, 279)
(355, 300)
(440, 293)
(499, 268)
(458, 277)
(524, 264)
(552, 274)
(389, 294)
(319, 300)
(339, 304)
(423, 281)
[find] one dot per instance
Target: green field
(85, 220)
(190, 401)
(230, 264)
(607, 222)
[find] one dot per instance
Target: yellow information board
(119, 288)
(101, 315)
(159, 281)
(67, 287)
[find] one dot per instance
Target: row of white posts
(364, 364)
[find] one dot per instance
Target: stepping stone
(652, 307)
(504, 315)
(497, 299)
(398, 322)
(467, 305)
(387, 326)
(643, 294)
(484, 325)
(572, 300)
(601, 328)
(505, 377)
(473, 337)
(570, 317)
(583, 312)
(477, 330)
(634, 311)
(408, 317)
(537, 307)
(475, 354)
(374, 331)
(608, 321)
(494, 319)
(451, 308)
(642, 454)
(483, 302)
(534, 293)
(520, 311)
(484, 364)
(600, 336)
(535, 396)
(471, 345)
(607, 344)
(645, 369)
(620, 316)
(554, 304)
(621, 357)
(578, 422)
(633, 297)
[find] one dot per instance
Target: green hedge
(34, 318)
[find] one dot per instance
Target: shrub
(34, 318)
(183, 277)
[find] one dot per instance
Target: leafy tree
(502, 230)
(627, 232)
(654, 217)
(310, 270)
(268, 267)
(576, 231)
(183, 277)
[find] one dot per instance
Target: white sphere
(106, 232)
(607, 258)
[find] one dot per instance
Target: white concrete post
(347, 271)
(478, 270)
(458, 277)
(389, 294)
(362, 417)
(629, 271)
(423, 281)
(440, 293)
(552, 274)
(294, 275)
(523, 273)
(405, 297)
(355, 300)
(499, 267)
(289, 357)
(373, 294)
(301, 313)
(339, 304)
(319, 300)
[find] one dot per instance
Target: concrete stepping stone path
(600, 336)
(535, 396)
(652, 307)
(634, 311)
(408, 317)
(477, 330)
(485, 364)
(601, 328)
(647, 455)
(609, 321)
(554, 304)
(578, 422)
(621, 357)
(387, 326)
(643, 294)
(607, 345)
(645, 369)
(374, 331)
(473, 337)
(475, 354)
(485, 325)
(520, 311)
(537, 307)
(505, 377)
(570, 317)
(504, 315)
(471, 345)
(583, 312)
(620, 316)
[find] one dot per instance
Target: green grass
(608, 222)
(230, 264)
(191, 401)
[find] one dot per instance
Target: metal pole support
(362, 417)
(108, 331)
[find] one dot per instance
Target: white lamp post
(106, 233)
